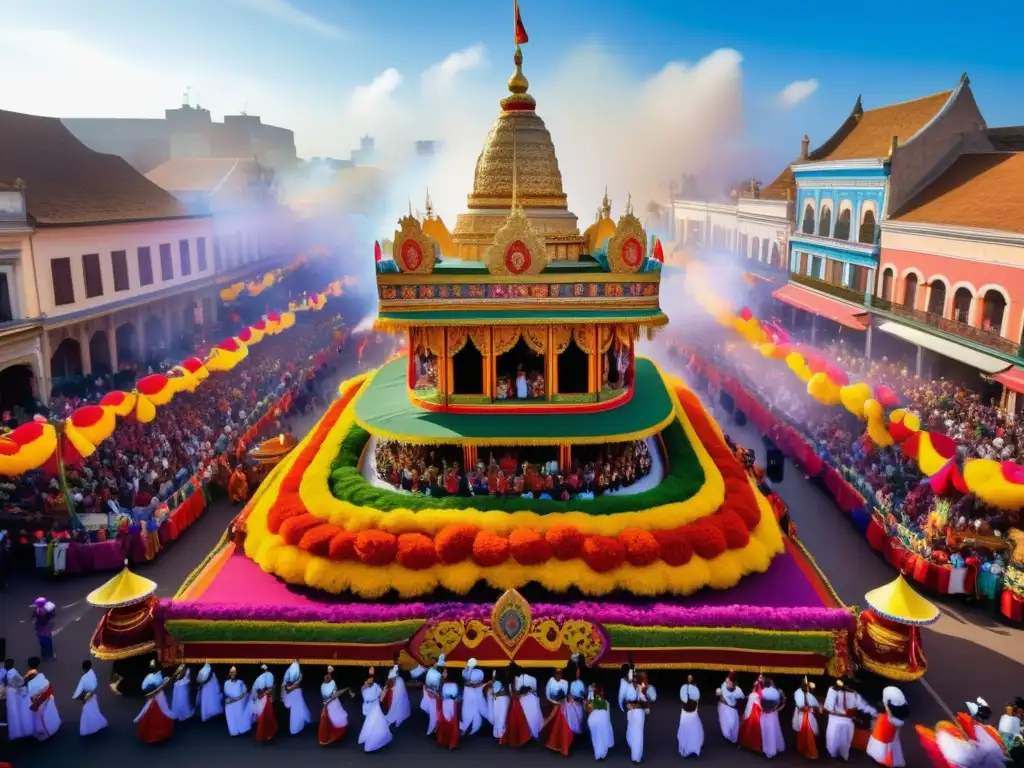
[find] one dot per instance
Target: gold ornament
(517, 249)
(413, 251)
(628, 246)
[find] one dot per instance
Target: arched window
(993, 307)
(99, 353)
(825, 221)
(17, 387)
(67, 359)
(468, 370)
(843, 225)
(807, 226)
(764, 249)
(937, 298)
(776, 259)
(910, 291)
(962, 305)
(887, 278)
(867, 228)
(756, 249)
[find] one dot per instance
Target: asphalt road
(971, 654)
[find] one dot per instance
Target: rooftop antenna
(186, 99)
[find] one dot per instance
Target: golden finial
(410, 207)
(518, 83)
(606, 205)
(430, 208)
(629, 204)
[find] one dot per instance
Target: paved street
(971, 654)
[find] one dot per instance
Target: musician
(208, 696)
(556, 733)
(333, 717)
(181, 697)
(841, 704)
(396, 697)
(92, 720)
(42, 705)
(884, 746)
(474, 706)
(638, 699)
(599, 723)
(376, 730)
(690, 734)
(498, 701)
(262, 706)
(729, 698)
(291, 694)
(154, 723)
(448, 716)
(237, 707)
(805, 723)
(19, 716)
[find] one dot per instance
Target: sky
(630, 90)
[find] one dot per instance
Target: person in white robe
(208, 695)
(1009, 723)
(237, 705)
(526, 685)
(181, 696)
(155, 722)
(730, 697)
(573, 706)
(473, 702)
(448, 731)
(772, 702)
(19, 715)
(262, 696)
(298, 712)
(333, 717)
(805, 720)
(884, 746)
(599, 723)
(625, 683)
(497, 703)
(399, 708)
(42, 705)
(691, 731)
(376, 730)
(841, 703)
(991, 750)
(92, 720)
(432, 694)
(638, 699)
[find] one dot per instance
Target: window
(218, 258)
(166, 265)
(825, 222)
(843, 225)
(93, 275)
(867, 228)
(910, 291)
(808, 223)
(63, 288)
(119, 261)
(887, 278)
(186, 258)
(145, 266)
(201, 253)
(6, 312)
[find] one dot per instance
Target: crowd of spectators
(427, 470)
(141, 465)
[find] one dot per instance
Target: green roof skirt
(649, 317)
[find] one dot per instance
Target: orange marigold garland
(454, 543)
(707, 539)
(317, 541)
(294, 528)
(675, 548)
(603, 553)
(343, 546)
(641, 546)
(490, 548)
(529, 547)
(733, 528)
(376, 547)
(415, 551)
(286, 507)
(565, 541)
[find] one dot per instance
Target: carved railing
(985, 338)
(851, 295)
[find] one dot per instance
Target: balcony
(840, 292)
(987, 339)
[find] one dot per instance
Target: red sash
(885, 731)
(266, 726)
(806, 743)
(327, 733)
(387, 698)
(447, 730)
(45, 695)
(517, 729)
(154, 726)
(750, 729)
(557, 735)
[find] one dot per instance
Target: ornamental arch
(99, 353)
(807, 222)
(963, 297)
(937, 297)
(825, 220)
(66, 360)
(888, 277)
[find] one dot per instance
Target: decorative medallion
(627, 248)
(517, 249)
(510, 621)
(413, 251)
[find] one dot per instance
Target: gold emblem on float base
(627, 248)
(517, 248)
(413, 249)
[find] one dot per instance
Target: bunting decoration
(255, 287)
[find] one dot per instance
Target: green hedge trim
(623, 636)
(188, 630)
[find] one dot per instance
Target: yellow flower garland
(316, 495)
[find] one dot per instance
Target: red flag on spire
(520, 30)
(659, 252)
(378, 254)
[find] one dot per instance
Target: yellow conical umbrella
(897, 602)
(124, 589)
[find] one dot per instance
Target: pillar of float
(445, 371)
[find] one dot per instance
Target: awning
(985, 363)
(820, 304)
(1011, 379)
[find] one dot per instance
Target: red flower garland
(603, 553)
(416, 551)
(565, 541)
(376, 547)
(454, 543)
(343, 546)
(490, 548)
(641, 546)
(529, 547)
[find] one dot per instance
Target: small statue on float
(888, 638)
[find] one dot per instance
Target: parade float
(126, 633)
(520, 367)
(888, 640)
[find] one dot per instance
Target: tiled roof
(869, 134)
(784, 182)
(982, 191)
(217, 182)
(67, 183)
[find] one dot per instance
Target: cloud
(370, 100)
(286, 13)
(796, 92)
(443, 74)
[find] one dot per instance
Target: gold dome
(603, 227)
(434, 228)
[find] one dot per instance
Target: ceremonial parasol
(896, 601)
(126, 588)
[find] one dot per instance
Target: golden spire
(515, 172)
(629, 204)
(430, 208)
(518, 83)
(606, 205)
(410, 207)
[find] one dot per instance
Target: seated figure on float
(888, 638)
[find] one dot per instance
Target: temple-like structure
(519, 484)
